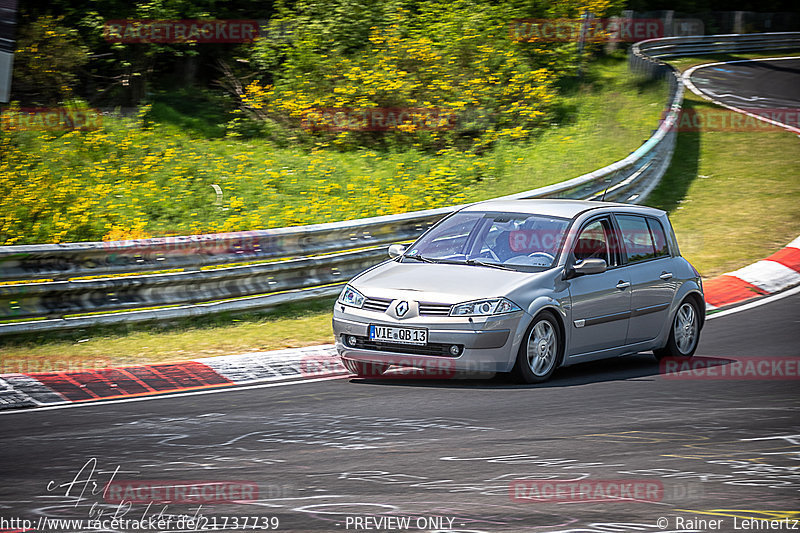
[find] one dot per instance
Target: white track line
(166, 396)
(757, 303)
(687, 75)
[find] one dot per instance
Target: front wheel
(539, 353)
(684, 333)
(364, 369)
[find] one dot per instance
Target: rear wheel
(540, 352)
(684, 333)
(364, 369)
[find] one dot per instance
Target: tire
(540, 353)
(363, 369)
(684, 332)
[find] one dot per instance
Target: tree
(46, 62)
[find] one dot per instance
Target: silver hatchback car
(524, 286)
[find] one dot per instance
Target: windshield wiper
(478, 262)
(421, 258)
(437, 261)
(470, 262)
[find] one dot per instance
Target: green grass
(292, 326)
(733, 197)
(600, 122)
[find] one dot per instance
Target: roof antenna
(603, 198)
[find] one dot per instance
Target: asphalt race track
(325, 454)
(761, 87)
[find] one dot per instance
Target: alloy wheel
(542, 348)
(685, 328)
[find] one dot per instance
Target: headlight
(351, 297)
(493, 306)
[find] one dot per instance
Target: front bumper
(486, 344)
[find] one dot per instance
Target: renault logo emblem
(401, 309)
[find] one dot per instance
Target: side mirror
(587, 266)
(396, 250)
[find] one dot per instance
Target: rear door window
(636, 238)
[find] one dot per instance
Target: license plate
(417, 336)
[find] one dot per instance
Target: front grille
(429, 309)
(377, 304)
(432, 348)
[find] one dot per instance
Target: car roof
(559, 208)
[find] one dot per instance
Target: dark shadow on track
(752, 65)
(776, 66)
(682, 170)
(638, 367)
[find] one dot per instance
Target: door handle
(666, 275)
(623, 284)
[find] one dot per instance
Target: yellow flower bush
(128, 181)
(452, 58)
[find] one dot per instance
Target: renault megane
(524, 286)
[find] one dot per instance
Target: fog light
(455, 349)
(351, 341)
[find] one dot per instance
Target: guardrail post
(738, 22)
(669, 20)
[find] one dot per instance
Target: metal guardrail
(56, 299)
(710, 44)
(144, 294)
(70, 260)
(645, 56)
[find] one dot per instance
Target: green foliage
(199, 112)
(453, 57)
(46, 62)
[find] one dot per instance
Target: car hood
(440, 283)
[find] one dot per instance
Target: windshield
(516, 241)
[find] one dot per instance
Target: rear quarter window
(659, 237)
